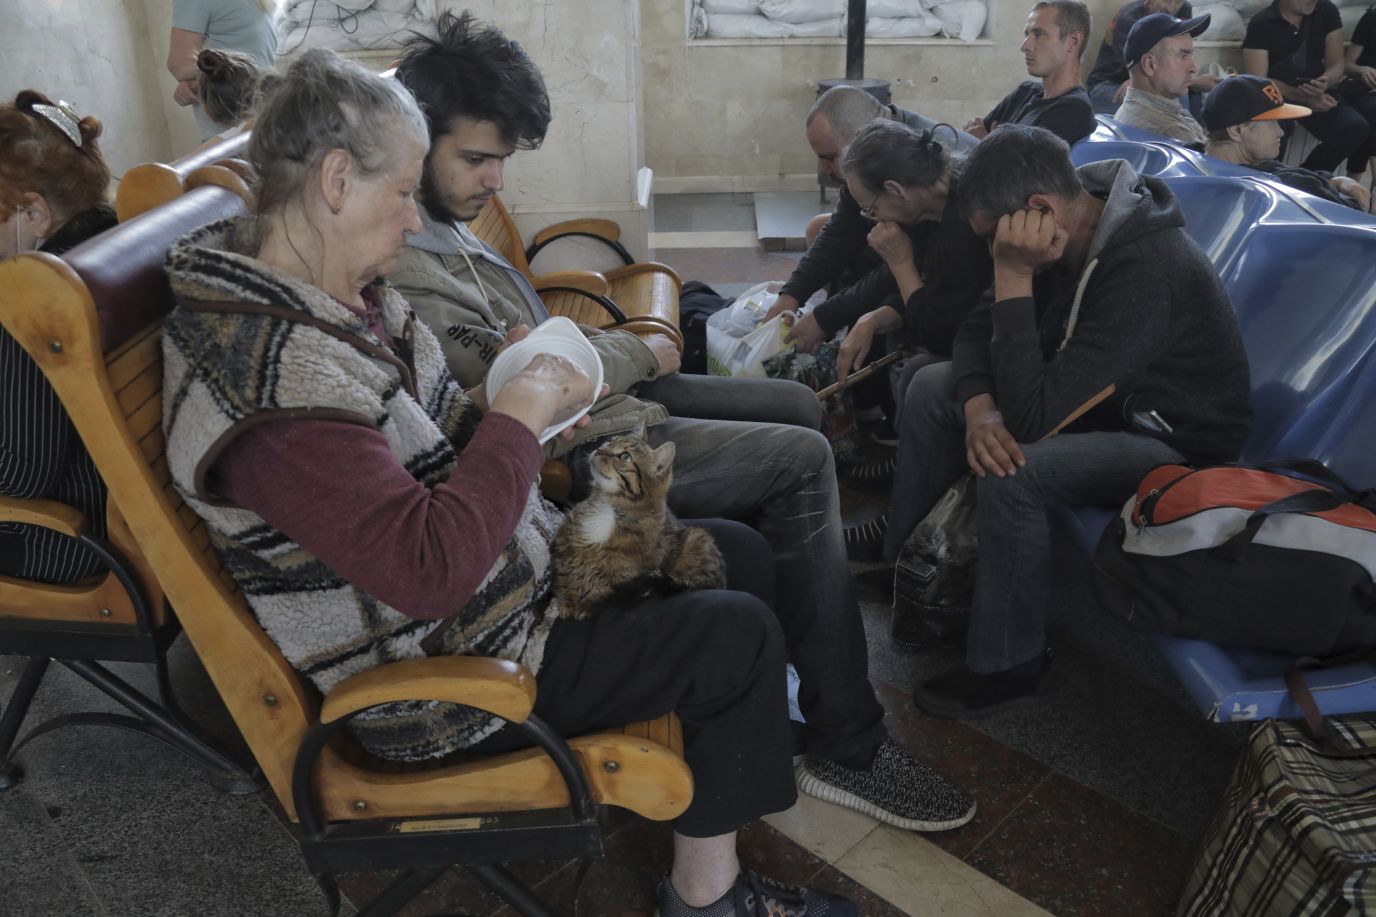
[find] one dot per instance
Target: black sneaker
(866, 540)
(881, 431)
(896, 789)
(874, 476)
(755, 896)
(874, 585)
(962, 694)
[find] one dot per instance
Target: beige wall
(730, 117)
(95, 54)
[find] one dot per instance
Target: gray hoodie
(1147, 314)
(470, 296)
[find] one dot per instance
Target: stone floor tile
(920, 878)
(1078, 853)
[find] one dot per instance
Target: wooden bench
(642, 298)
(94, 329)
(118, 615)
(153, 184)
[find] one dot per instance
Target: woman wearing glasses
(937, 266)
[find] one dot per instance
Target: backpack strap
(1314, 722)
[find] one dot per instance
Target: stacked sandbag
(1225, 23)
(352, 25)
(963, 19)
(827, 18)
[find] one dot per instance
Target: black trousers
(1342, 133)
(714, 657)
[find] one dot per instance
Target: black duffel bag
(1276, 557)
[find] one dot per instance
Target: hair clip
(64, 117)
(926, 138)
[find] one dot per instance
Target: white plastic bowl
(557, 336)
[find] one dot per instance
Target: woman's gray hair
(325, 103)
(893, 151)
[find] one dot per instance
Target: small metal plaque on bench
(440, 824)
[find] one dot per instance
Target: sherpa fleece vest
(248, 344)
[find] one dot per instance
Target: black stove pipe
(855, 39)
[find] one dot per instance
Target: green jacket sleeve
(626, 360)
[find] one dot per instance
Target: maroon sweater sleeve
(337, 490)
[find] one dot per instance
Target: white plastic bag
(737, 344)
(745, 356)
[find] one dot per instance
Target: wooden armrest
(556, 481)
(646, 267)
(602, 229)
(240, 168)
(643, 325)
(48, 513)
(223, 177)
(587, 281)
(494, 685)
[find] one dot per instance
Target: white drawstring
(1075, 304)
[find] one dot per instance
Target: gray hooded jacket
(470, 296)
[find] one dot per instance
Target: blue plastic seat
(1301, 274)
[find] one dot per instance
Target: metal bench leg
(10, 773)
(225, 773)
(511, 889)
(404, 887)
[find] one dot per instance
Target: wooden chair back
(153, 184)
(494, 225)
(93, 324)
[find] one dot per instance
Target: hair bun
(28, 98)
(210, 61)
(90, 127)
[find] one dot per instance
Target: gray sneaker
(755, 896)
(896, 789)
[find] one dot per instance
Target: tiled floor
(1089, 802)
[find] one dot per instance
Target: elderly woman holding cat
(364, 502)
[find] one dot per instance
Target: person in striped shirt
(54, 186)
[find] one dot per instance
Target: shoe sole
(945, 713)
(820, 789)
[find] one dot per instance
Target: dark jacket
(1319, 184)
(1147, 314)
(41, 456)
(842, 241)
(956, 270)
(1110, 67)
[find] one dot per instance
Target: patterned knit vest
(248, 344)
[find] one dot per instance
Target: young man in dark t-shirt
(1054, 42)
(1299, 44)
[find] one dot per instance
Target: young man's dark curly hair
(474, 71)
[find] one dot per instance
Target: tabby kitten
(622, 543)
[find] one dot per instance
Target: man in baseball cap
(1160, 58)
(1244, 116)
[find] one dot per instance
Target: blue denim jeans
(1013, 581)
(729, 398)
(780, 480)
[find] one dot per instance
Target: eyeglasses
(868, 212)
